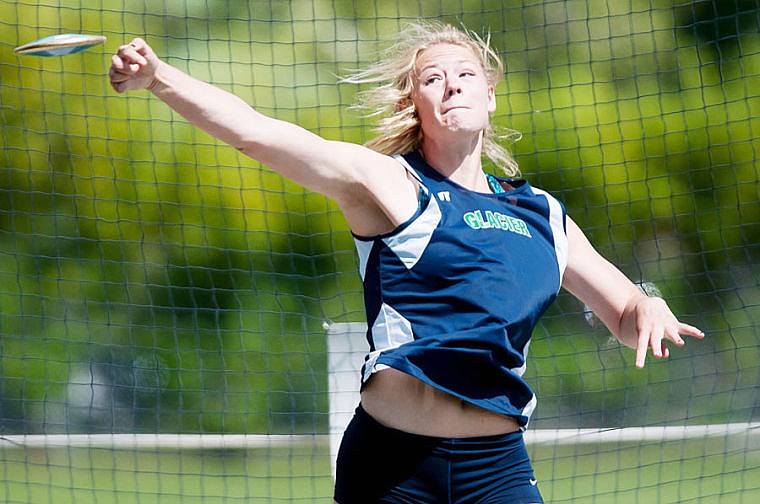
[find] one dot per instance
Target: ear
(491, 98)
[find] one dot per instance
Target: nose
(453, 89)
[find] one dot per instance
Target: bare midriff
(400, 401)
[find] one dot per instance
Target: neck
(459, 160)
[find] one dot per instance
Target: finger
(119, 87)
(642, 347)
(115, 79)
(131, 55)
(121, 64)
(116, 75)
(665, 350)
(117, 63)
(674, 335)
(690, 330)
(656, 341)
(140, 47)
(139, 43)
(657, 345)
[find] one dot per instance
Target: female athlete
(457, 265)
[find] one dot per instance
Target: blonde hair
(398, 125)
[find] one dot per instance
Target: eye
(432, 79)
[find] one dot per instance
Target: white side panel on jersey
(390, 330)
(528, 409)
(519, 371)
(556, 220)
(411, 242)
(363, 249)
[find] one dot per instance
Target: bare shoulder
(383, 195)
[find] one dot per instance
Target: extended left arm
(635, 319)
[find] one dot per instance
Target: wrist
(160, 81)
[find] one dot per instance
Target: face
(451, 91)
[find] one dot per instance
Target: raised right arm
(372, 189)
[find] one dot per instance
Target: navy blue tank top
(452, 295)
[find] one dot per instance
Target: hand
(655, 324)
(133, 67)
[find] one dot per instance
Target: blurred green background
(153, 280)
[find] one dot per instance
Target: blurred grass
(85, 475)
(700, 471)
(717, 471)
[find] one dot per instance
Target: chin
(463, 126)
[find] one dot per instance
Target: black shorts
(377, 464)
